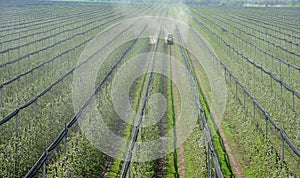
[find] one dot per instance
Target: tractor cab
(170, 39)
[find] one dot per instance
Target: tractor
(170, 39)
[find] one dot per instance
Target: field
(91, 89)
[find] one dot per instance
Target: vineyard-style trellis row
(16, 78)
(278, 18)
(28, 24)
(273, 57)
(206, 129)
(28, 21)
(61, 24)
(2, 85)
(264, 32)
(47, 23)
(270, 42)
(277, 79)
(13, 113)
(254, 26)
(126, 165)
(50, 60)
(15, 18)
(247, 13)
(43, 63)
(227, 71)
(268, 28)
(263, 39)
(289, 128)
(102, 17)
(34, 100)
(59, 11)
(256, 47)
(280, 137)
(21, 29)
(36, 13)
(43, 24)
(41, 161)
(295, 94)
(59, 33)
(55, 44)
(257, 22)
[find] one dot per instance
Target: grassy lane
(135, 94)
(217, 139)
(273, 104)
(172, 165)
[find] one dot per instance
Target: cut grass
(217, 139)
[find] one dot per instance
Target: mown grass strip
(217, 139)
(172, 165)
(117, 164)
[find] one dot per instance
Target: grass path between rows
(180, 150)
(237, 168)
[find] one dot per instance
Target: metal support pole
(17, 124)
(281, 91)
(267, 128)
(98, 97)
(289, 69)
(129, 172)
(35, 107)
(44, 170)
(43, 71)
(272, 62)
(29, 61)
(271, 82)
(298, 81)
(236, 87)
(225, 74)
(208, 162)
(253, 109)
(244, 97)
(293, 95)
(19, 52)
(279, 69)
(254, 76)
(282, 148)
(65, 142)
(0, 97)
